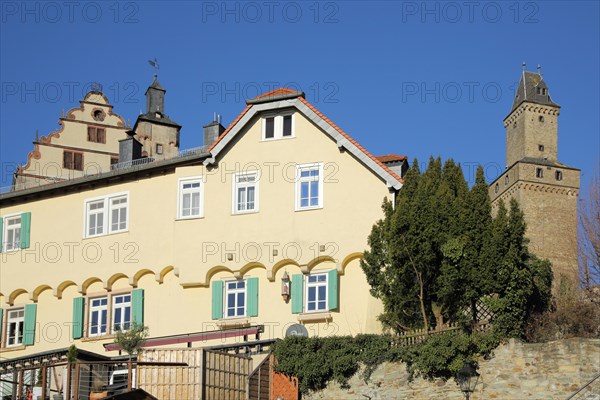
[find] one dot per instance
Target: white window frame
(14, 245)
(108, 208)
(241, 185)
(181, 192)
(236, 291)
(278, 126)
(19, 322)
(123, 307)
(300, 180)
(99, 309)
(308, 285)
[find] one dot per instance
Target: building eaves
(105, 177)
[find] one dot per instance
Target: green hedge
(317, 361)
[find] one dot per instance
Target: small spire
(37, 135)
(539, 70)
(524, 65)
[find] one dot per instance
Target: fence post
(44, 381)
(129, 375)
(76, 383)
(68, 388)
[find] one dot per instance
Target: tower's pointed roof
(533, 89)
(156, 85)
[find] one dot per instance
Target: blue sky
(403, 77)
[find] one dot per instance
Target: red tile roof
(391, 158)
(337, 128)
(282, 91)
(276, 92)
(248, 107)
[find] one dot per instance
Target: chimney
(213, 130)
(129, 149)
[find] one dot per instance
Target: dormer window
(278, 126)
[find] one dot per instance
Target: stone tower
(545, 188)
(158, 134)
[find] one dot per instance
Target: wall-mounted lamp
(285, 286)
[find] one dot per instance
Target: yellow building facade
(264, 227)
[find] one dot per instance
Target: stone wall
(517, 371)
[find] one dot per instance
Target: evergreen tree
(438, 251)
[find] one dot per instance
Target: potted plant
(132, 341)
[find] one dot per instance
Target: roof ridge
(360, 147)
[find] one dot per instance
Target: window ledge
(227, 323)
(277, 138)
(314, 317)
(189, 218)
(105, 234)
(13, 348)
(97, 338)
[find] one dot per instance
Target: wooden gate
(225, 375)
(171, 382)
(259, 382)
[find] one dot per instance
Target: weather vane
(154, 64)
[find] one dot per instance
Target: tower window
(506, 180)
(541, 118)
(515, 125)
(159, 148)
(496, 188)
(558, 175)
(540, 147)
(539, 173)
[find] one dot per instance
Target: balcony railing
(122, 166)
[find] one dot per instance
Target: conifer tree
(438, 251)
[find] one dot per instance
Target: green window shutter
(1, 321)
(1, 231)
(25, 229)
(252, 295)
(78, 303)
(137, 306)
(217, 300)
(297, 293)
(332, 289)
(29, 325)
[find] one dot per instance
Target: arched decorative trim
(278, 265)
(108, 284)
(316, 261)
(58, 291)
(160, 275)
(133, 280)
(86, 284)
(14, 294)
(250, 266)
(211, 272)
(348, 259)
(33, 296)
